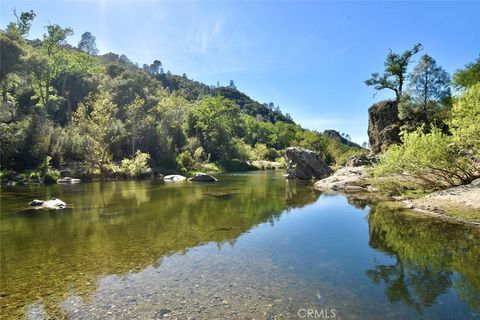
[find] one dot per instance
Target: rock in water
(383, 125)
(68, 180)
(305, 164)
(36, 203)
(53, 203)
(202, 177)
(174, 177)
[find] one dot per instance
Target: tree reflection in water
(431, 257)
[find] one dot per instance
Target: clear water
(251, 246)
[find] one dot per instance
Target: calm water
(252, 246)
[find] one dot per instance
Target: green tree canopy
(394, 74)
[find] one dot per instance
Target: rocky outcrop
(174, 177)
(202, 177)
(53, 203)
(383, 125)
(346, 179)
(305, 164)
(68, 180)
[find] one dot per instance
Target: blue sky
(310, 58)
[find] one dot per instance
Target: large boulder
(202, 177)
(346, 179)
(383, 126)
(305, 164)
(174, 177)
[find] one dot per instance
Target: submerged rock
(68, 180)
(174, 177)
(202, 177)
(305, 164)
(53, 203)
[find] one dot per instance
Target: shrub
(51, 176)
(426, 161)
(465, 123)
(137, 166)
(185, 161)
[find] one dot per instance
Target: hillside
(65, 106)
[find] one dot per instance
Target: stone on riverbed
(174, 177)
(68, 180)
(53, 203)
(202, 177)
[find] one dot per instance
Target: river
(250, 246)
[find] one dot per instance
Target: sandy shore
(460, 203)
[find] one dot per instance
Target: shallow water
(251, 246)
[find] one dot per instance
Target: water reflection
(431, 257)
(114, 228)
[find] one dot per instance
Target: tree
(469, 76)
(24, 22)
(95, 118)
(213, 120)
(394, 75)
(135, 115)
(429, 98)
(429, 82)
(232, 85)
(47, 65)
(465, 122)
(88, 44)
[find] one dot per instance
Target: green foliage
(136, 166)
(51, 176)
(185, 161)
(394, 75)
(465, 123)
(90, 112)
(426, 161)
(95, 119)
(468, 76)
(213, 120)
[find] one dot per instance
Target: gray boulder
(174, 177)
(346, 179)
(202, 177)
(305, 164)
(68, 180)
(361, 160)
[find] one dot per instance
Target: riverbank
(457, 204)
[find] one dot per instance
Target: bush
(136, 167)
(51, 176)
(427, 161)
(465, 123)
(185, 161)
